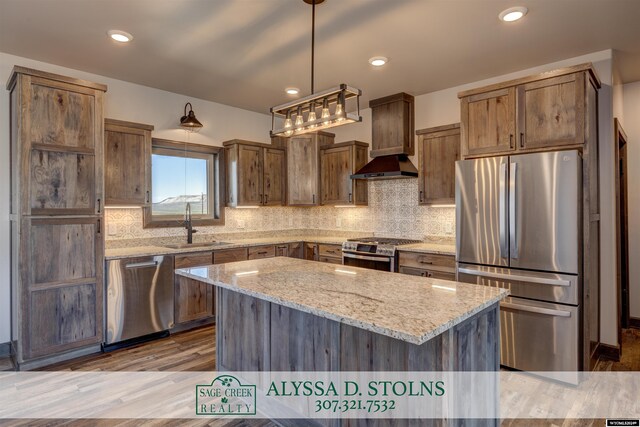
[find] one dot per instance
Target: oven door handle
(367, 258)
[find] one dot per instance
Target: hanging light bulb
(325, 110)
(312, 115)
(299, 119)
(340, 108)
(288, 125)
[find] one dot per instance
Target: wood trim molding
(546, 75)
(51, 76)
(634, 322)
(609, 352)
(122, 123)
(438, 128)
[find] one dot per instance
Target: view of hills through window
(176, 182)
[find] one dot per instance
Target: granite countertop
(409, 308)
(159, 249)
(430, 248)
(150, 250)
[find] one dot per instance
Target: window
(184, 173)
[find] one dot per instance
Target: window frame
(215, 186)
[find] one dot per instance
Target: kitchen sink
(195, 245)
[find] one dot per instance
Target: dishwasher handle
(142, 264)
(538, 310)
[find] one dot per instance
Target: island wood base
(258, 335)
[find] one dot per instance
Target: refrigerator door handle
(513, 181)
(515, 277)
(539, 310)
(502, 211)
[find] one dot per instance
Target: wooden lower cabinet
(296, 250)
(63, 306)
(427, 265)
(265, 251)
(311, 251)
(229, 255)
(193, 299)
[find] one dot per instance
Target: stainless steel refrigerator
(518, 221)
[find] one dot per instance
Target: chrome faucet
(188, 225)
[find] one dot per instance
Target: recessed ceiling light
(120, 36)
(378, 61)
(513, 13)
(292, 90)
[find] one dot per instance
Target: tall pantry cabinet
(57, 200)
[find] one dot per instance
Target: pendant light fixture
(282, 116)
(189, 121)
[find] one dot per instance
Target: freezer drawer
(551, 287)
(139, 297)
(539, 336)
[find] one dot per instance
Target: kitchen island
(286, 314)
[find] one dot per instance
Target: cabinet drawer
(193, 260)
(330, 251)
(434, 274)
(330, 260)
(229, 255)
(446, 263)
(257, 252)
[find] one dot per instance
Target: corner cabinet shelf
(256, 174)
(57, 202)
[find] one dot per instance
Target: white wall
(631, 125)
(443, 107)
(123, 101)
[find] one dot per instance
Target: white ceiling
(245, 52)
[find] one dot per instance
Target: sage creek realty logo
(226, 396)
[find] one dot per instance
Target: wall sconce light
(189, 121)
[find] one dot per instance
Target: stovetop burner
(384, 240)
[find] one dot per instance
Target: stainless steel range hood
(387, 167)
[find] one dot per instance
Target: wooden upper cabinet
(303, 180)
(438, 151)
(127, 163)
(255, 174)
(551, 112)
(59, 141)
(489, 122)
(536, 113)
(337, 163)
(392, 127)
(274, 176)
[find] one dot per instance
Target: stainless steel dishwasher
(139, 298)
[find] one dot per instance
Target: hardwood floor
(195, 351)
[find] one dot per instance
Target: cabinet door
(65, 132)
(193, 300)
(64, 276)
(274, 177)
(302, 174)
(488, 122)
(229, 255)
(127, 157)
(249, 175)
(335, 170)
(311, 251)
(438, 155)
(265, 251)
(427, 273)
(551, 112)
(282, 250)
(296, 250)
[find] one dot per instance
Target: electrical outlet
(112, 229)
(241, 223)
(338, 222)
(448, 228)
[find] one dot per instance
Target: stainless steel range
(377, 253)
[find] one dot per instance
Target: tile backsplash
(393, 211)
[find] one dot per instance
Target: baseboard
(39, 363)
(5, 349)
(609, 352)
(634, 322)
(192, 325)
